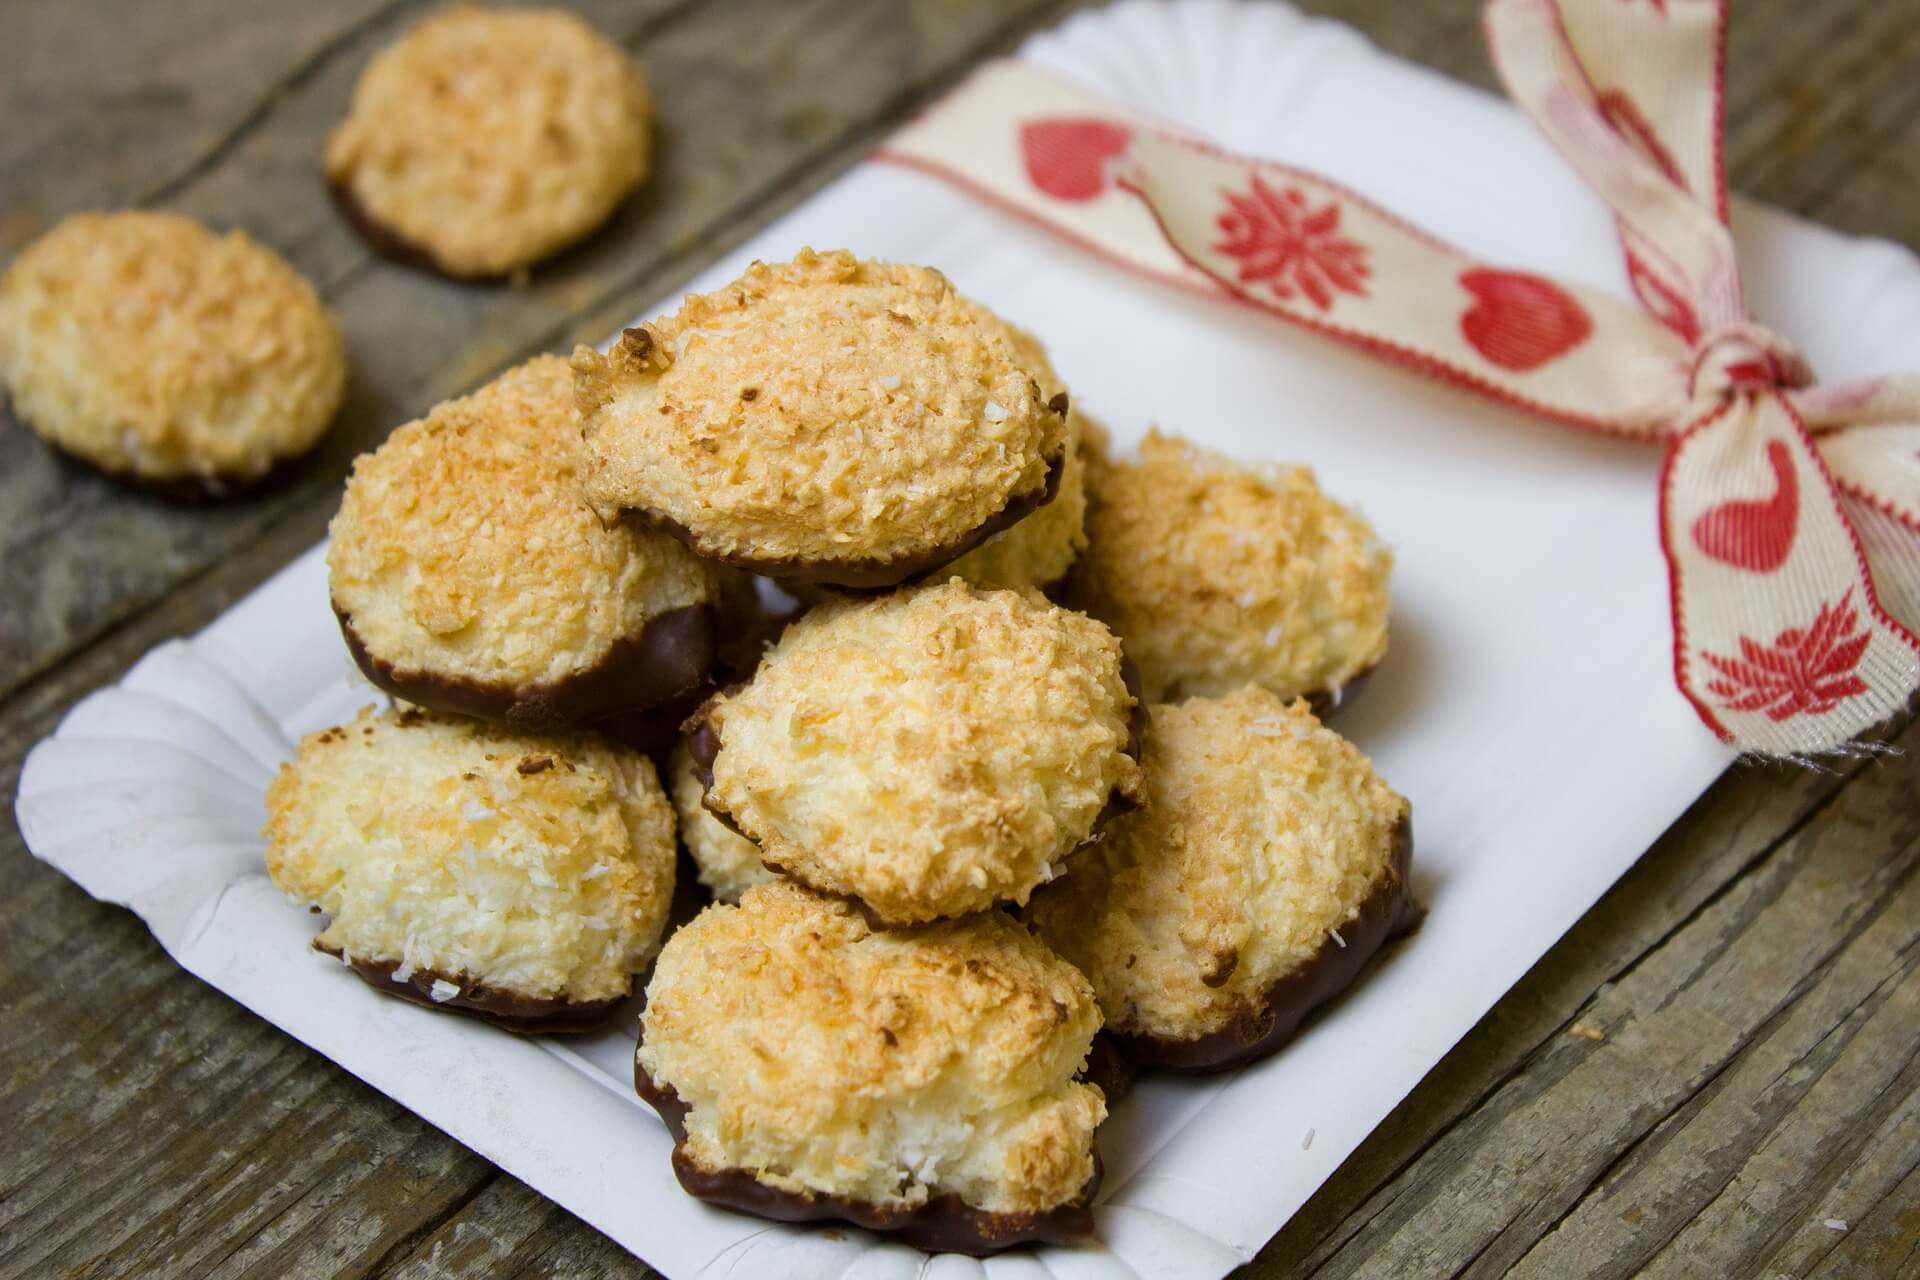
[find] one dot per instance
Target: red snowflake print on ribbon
(1803, 672)
(1285, 244)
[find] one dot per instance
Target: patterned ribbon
(1789, 511)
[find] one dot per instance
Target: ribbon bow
(1789, 511)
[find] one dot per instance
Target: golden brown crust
(727, 862)
(930, 753)
(536, 866)
(1262, 834)
(487, 139)
(150, 347)
(819, 413)
(883, 1067)
(1217, 574)
(464, 553)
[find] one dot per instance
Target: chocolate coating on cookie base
(703, 748)
(654, 731)
(387, 242)
(867, 577)
(1324, 702)
(1387, 913)
(944, 1224)
(527, 1015)
(671, 655)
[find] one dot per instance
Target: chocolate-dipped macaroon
(1218, 573)
(484, 139)
(920, 1082)
(824, 420)
(1267, 865)
(470, 576)
(931, 753)
(524, 880)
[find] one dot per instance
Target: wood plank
(1838, 1155)
(1763, 1144)
(108, 107)
(1823, 108)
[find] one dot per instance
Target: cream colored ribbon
(1789, 511)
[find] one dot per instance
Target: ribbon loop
(1744, 357)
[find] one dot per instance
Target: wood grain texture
(1718, 1060)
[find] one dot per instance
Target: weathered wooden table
(1717, 1073)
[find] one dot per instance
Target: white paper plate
(1527, 706)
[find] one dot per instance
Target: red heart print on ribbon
(1520, 322)
(1795, 606)
(1755, 534)
(1067, 158)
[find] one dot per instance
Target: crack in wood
(407, 1243)
(262, 110)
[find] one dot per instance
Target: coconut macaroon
(1038, 551)
(917, 1081)
(525, 880)
(484, 140)
(728, 863)
(1267, 865)
(931, 753)
(824, 420)
(470, 576)
(1219, 574)
(160, 352)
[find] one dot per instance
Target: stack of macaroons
(947, 837)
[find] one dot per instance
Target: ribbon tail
(1757, 533)
(1892, 549)
(1891, 399)
(1878, 465)
(1632, 96)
